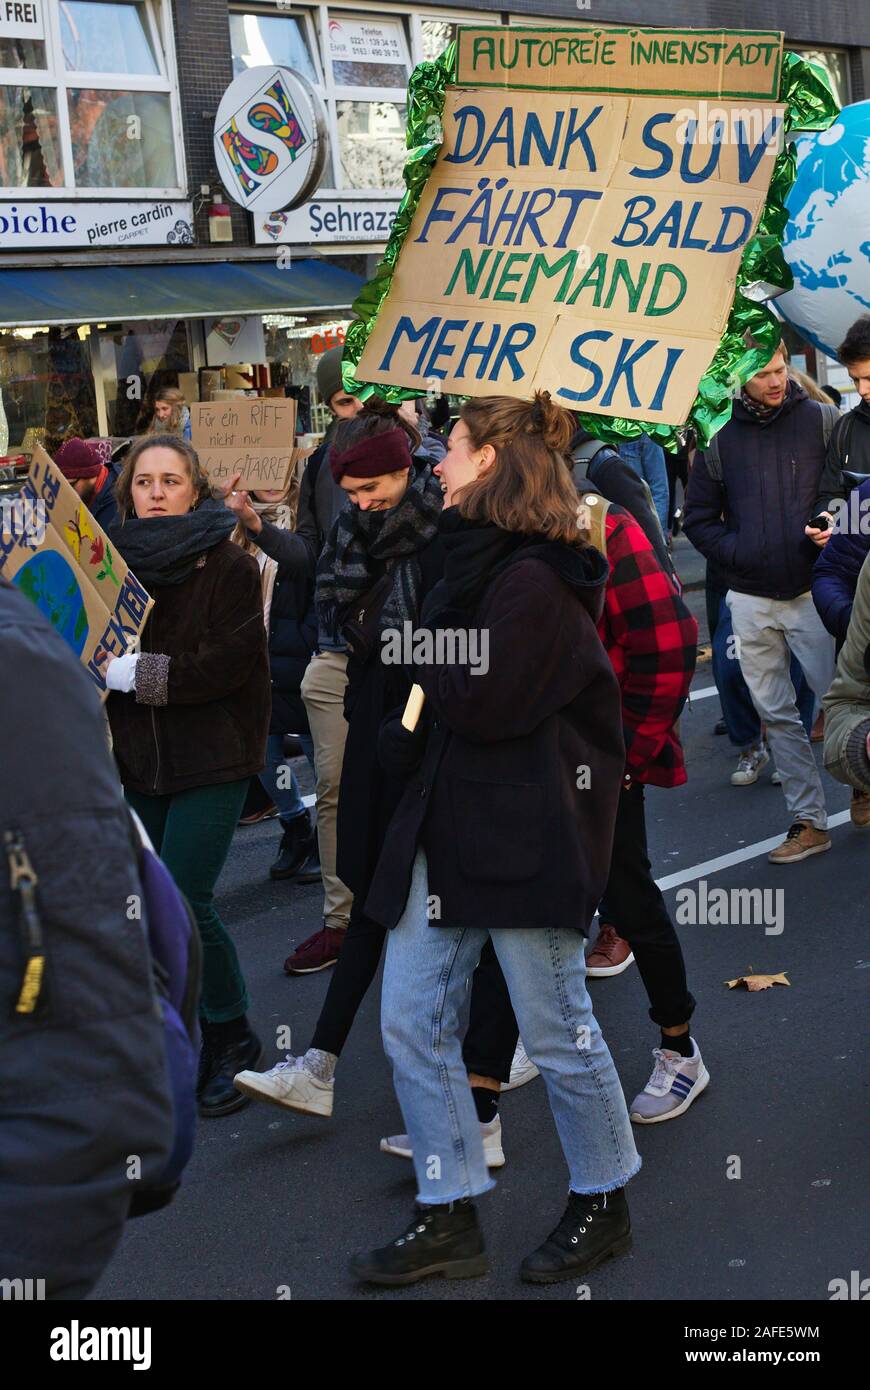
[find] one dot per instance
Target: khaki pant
(769, 630)
(323, 687)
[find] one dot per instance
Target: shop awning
(183, 290)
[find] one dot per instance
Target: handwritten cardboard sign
(580, 232)
(68, 567)
(254, 437)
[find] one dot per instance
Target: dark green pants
(192, 832)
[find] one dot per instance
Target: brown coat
(200, 713)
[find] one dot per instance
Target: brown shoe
(859, 811)
(317, 953)
(801, 841)
(266, 813)
(817, 732)
(610, 955)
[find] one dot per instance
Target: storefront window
(21, 53)
(260, 39)
(121, 139)
(371, 141)
(30, 152)
(92, 104)
(437, 34)
(136, 361)
(99, 37)
(47, 386)
(367, 53)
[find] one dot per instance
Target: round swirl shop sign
(270, 139)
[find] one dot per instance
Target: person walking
(189, 714)
(264, 520)
(749, 503)
(504, 832)
(325, 680)
(381, 559)
(93, 480)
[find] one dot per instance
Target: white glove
(121, 672)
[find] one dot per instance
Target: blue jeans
(738, 711)
(648, 460)
(425, 978)
(288, 798)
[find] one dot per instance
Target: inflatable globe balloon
(827, 239)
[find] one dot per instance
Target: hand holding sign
(240, 503)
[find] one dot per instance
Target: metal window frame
(159, 20)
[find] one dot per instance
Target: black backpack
(617, 482)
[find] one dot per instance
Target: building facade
(125, 266)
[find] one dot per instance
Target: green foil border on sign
(752, 331)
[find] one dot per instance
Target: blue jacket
(751, 523)
(835, 576)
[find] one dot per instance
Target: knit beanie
(373, 456)
(76, 459)
(329, 381)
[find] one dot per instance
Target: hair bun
(554, 424)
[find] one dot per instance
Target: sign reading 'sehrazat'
(581, 232)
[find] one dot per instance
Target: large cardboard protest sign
(583, 225)
(253, 437)
(66, 565)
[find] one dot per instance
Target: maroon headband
(369, 458)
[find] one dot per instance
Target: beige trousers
(323, 687)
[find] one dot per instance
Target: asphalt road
(275, 1202)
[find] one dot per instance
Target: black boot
(592, 1229)
(234, 1047)
(442, 1240)
(296, 843)
(205, 1057)
(311, 871)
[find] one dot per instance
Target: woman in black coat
(505, 830)
(189, 714)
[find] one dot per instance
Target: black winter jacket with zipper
(750, 523)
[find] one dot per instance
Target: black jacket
(849, 449)
(83, 1081)
(510, 838)
(369, 794)
(208, 723)
(292, 630)
(751, 523)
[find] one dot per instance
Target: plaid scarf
(364, 545)
(758, 409)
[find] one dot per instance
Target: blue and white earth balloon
(827, 239)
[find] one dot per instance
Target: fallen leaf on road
(756, 982)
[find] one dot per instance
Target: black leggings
(352, 975)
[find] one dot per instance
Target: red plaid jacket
(651, 639)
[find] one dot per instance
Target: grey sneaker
(749, 764)
(400, 1145)
(676, 1081)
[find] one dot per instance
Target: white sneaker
(676, 1081)
(776, 779)
(400, 1144)
(523, 1069)
(288, 1084)
(750, 763)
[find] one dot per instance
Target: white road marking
(737, 856)
(703, 693)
